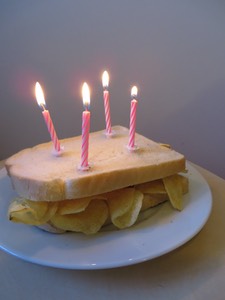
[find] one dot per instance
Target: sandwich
(55, 195)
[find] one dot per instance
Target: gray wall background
(173, 50)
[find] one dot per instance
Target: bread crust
(39, 175)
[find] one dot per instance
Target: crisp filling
(88, 215)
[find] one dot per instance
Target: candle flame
(105, 79)
(39, 95)
(134, 91)
(86, 95)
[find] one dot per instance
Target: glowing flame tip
(134, 91)
(86, 95)
(39, 95)
(105, 79)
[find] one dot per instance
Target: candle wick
(43, 106)
(86, 107)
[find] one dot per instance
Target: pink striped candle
(51, 130)
(41, 102)
(133, 112)
(85, 128)
(105, 83)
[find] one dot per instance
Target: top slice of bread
(37, 174)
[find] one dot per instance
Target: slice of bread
(39, 175)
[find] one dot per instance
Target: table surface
(196, 270)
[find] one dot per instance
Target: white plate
(163, 232)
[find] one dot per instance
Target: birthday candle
(133, 112)
(105, 84)
(41, 102)
(85, 128)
